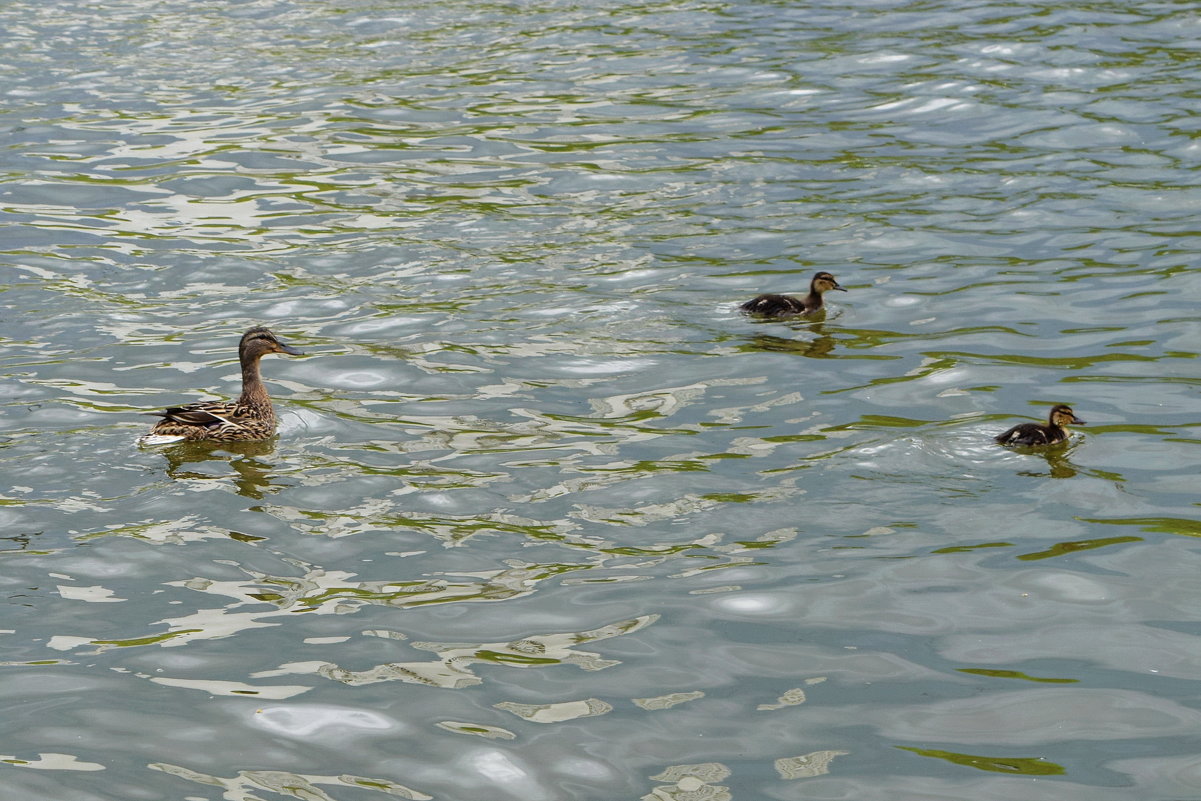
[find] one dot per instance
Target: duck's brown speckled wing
(213, 420)
(774, 305)
(203, 415)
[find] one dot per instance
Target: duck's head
(824, 282)
(259, 341)
(1061, 415)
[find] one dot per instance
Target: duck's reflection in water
(253, 477)
(818, 348)
(1059, 465)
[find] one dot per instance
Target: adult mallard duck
(787, 305)
(1055, 431)
(250, 417)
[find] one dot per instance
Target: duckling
(249, 418)
(787, 305)
(1055, 431)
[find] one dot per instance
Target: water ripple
(534, 431)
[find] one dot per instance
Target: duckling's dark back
(1031, 434)
(773, 305)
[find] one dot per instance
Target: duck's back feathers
(774, 305)
(213, 420)
(204, 414)
(1032, 434)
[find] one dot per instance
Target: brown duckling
(249, 418)
(789, 306)
(1055, 431)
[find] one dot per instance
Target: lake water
(547, 518)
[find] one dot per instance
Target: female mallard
(788, 306)
(250, 417)
(1055, 431)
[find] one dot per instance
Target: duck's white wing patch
(149, 440)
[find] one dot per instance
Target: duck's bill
(291, 351)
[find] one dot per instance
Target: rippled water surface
(547, 518)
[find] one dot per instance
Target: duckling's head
(824, 282)
(258, 342)
(1062, 414)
